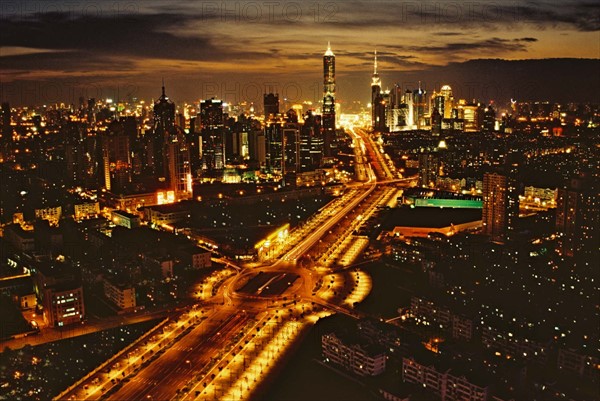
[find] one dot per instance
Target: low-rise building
(21, 240)
(59, 290)
(20, 288)
(164, 263)
(128, 220)
(460, 326)
(579, 363)
(509, 344)
(353, 355)
(63, 305)
(421, 221)
(441, 380)
(384, 334)
(167, 214)
(119, 293)
(194, 257)
(87, 210)
(52, 214)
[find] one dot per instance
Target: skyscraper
(178, 156)
(212, 122)
(494, 205)
(328, 99)
(437, 103)
(5, 131)
(311, 142)
(164, 114)
(410, 108)
(164, 123)
(75, 156)
(578, 220)
(116, 157)
(274, 145)
(446, 93)
(271, 104)
(501, 202)
(429, 167)
(472, 114)
(378, 117)
(291, 147)
(436, 122)
(394, 111)
(419, 107)
(489, 119)
(5, 121)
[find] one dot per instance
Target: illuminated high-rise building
(311, 142)
(116, 157)
(578, 220)
(446, 93)
(501, 202)
(212, 123)
(436, 122)
(378, 107)
(437, 103)
(489, 119)
(395, 110)
(291, 147)
(410, 109)
(472, 115)
(164, 113)
(180, 173)
(164, 123)
(494, 205)
(429, 167)
(241, 132)
(419, 97)
(274, 145)
(328, 110)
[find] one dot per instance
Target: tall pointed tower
(375, 92)
(328, 99)
(164, 123)
(377, 103)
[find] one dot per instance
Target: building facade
(121, 295)
(578, 220)
(441, 381)
(500, 204)
(363, 360)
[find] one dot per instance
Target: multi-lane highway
(172, 370)
(287, 295)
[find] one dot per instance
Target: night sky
(60, 50)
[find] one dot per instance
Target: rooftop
(125, 214)
(428, 217)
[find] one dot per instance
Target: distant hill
(559, 79)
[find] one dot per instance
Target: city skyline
(279, 200)
(238, 49)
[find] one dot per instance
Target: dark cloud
(66, 61)
(528, 40)
(122, 42)
(575, 15)
(482, 46)
(449, 33)
(141, 35)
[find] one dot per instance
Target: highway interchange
(247, 318)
